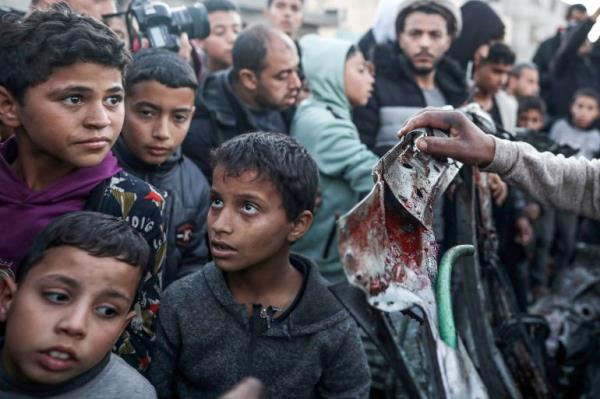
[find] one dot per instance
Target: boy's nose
(161, 130)
(97, 117)
(220, 223)
(74, 322)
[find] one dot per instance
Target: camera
(163, 25)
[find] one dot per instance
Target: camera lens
(192, 20)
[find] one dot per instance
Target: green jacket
(323, 124)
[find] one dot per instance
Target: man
(285, 15)
(491, 74)
(412, 73)
(523, 81)
(249, 97)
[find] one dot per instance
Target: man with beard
(413, 72)
(249, 97)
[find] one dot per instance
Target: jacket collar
(135, 165)
(317, 309)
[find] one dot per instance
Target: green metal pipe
(443, 295)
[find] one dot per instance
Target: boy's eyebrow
(63, 279)
(116, 294)
(84, 89)
(147, 104)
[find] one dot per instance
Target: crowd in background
(177, 155)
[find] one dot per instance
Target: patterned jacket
(126, 196)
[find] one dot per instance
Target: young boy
(76, 287)
(531, 113)
(61, 93)
(579, 131)
(258, 310)
(225, 25)
(161, 88)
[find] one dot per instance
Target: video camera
(163, 25)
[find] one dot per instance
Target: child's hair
(96, 233)
(275, 157)
(33, 48)
(519, 68)
(162, 66)
(528, 103)
(219, 5)
(587, 92)
(499, 53)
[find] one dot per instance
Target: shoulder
(125, 381)
(186, 290)
(193, 177)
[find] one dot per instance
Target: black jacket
(571, 71)
(220, 116)
(187, 195)
(396, 87)
(206, 342)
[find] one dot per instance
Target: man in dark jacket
(413, 73)
(250, 97)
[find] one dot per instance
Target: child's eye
(180, 118)
(56, 297)
(113, 100)
(249, 208)
(145, 113)
(216, 203)
(106, 311)
(73, 100)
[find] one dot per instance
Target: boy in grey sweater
(258, 310)
(76, 288)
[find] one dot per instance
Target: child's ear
(8, 289)
(8, 109)
(300, 226)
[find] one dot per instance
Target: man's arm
(571, 184)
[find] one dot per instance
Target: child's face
(225, 26)
(584, 112)
(72, 119)
(157, 119)
(247, 223)
(490, 78)
(66, 315)
(531, 119)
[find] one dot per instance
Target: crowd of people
(175, 212)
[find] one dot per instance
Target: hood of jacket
(391, 61)
(324, 60)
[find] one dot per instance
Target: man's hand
(466, 142)
(524, 231)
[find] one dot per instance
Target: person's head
(531, 113)
(93, 8)
(225, 26)
(265, 68)
(285, 15)
(262, 199)
(61, 87)
(523, 80)
(161, 90)
(358, 79)
(72, 297)
(425, 30)
(491, 73)
(576, 13)
(585, 108)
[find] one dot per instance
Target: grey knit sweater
(571, 184)
(206, 342)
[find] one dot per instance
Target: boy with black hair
(531, 113)
(258, 310)
(161, 88)
(225, 26)
(71, 300)
(61, 93)
(491, 74)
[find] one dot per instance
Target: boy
(161, 88)
(225, 25)
(76, 287)
(531, 113)
(61, 93)
(285, 15)
(257, 309)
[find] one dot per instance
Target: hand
(185, 48)
(532, 211)
(466, 142)
(248, 388)
(524, 231)
(498, 188)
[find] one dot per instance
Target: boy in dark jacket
(61, 93)
(258, 310)
(161, 88)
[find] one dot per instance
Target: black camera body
(163, 25)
